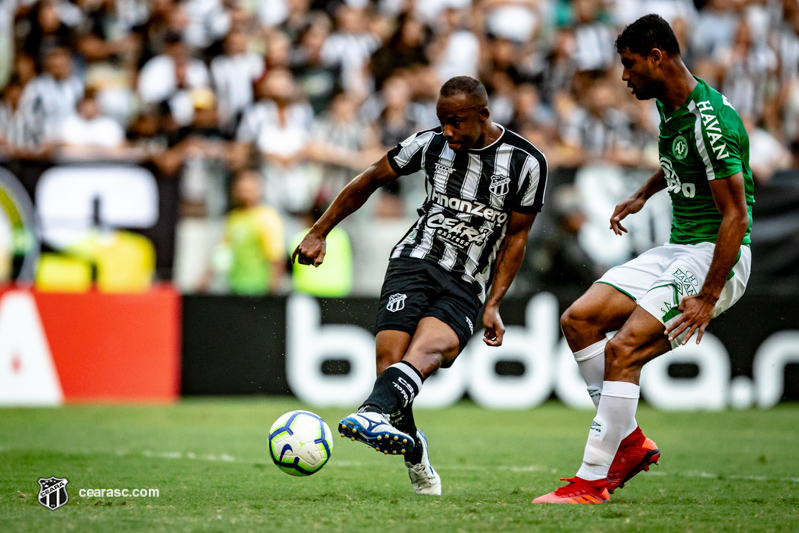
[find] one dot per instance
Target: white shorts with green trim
(658, 279)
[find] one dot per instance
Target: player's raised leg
(396, 385)
(639, 341)
(434, 344)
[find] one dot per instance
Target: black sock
(394, 389)
(403, 420)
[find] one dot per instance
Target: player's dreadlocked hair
(646, 33)
(465, 85)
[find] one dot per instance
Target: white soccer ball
(300, 443)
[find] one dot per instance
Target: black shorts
(415, 288)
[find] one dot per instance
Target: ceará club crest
(500, 185)
(396, 302)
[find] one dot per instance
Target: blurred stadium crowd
(286, 100)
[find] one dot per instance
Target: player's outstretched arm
(728, 193)
(636, 202)
(311, 251)
(509, 259)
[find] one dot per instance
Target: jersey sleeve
(720, 142)
(406, 157)
(532, 185)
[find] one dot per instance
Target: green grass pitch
(729, 471)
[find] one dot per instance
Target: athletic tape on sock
(591, 351)
(410, 371)
(621, 389)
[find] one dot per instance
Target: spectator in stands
(278, 51)
(208, 22)
(333, 278)
(561, 67)
(596, 129)
(14, 129)
(528, 108)
(46, 28)
(164, 78)
(277, 126)
(593, 38)
(407, 47)
(52, 97)
(536, 56)
(104, 34)
(252, 255)
(89, 133)
(318, 80)
(455, 50)
(234, 75)
(560, 259)
(515, 20)
(767, 155)
(342, 144)
(350, 47)
(746, 68)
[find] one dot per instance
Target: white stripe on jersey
(416, 144)
(700, 141)
(450, 255)
(535, 177)
(472, 178)
(442, 173)
(534, 168)
(501, 168)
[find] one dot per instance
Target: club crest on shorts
(53, 492)
(500, 185)
(396, 302)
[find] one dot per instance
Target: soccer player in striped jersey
(659, 300)
(485, 185)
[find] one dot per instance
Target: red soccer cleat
(578, 491)
(635, 453)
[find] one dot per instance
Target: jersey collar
(683, 109)
(493, 143)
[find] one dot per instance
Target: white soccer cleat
(424, 479)
(375, 430)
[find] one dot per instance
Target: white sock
(614, 417)
(591, 362)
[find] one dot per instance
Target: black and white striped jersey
(469, 199)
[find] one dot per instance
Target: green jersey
(703, 140)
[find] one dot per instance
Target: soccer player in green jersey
(659, 300)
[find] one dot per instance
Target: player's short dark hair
(646, 33)
(465, 85)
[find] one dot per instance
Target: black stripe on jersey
(533, 184)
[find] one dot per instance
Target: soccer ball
(300, 443)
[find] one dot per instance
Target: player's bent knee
(621, 360)
(568, 322)
(577, 318)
